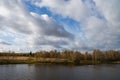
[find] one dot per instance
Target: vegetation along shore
(65, 57)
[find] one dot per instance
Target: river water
(59, 72)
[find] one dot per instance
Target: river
(59, 72)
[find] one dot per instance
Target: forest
(65, 57)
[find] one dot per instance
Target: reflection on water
(50, 72)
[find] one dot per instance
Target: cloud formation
(99, 25)
(67, 8)
(4, 42)
(29, 27)
(99, 21)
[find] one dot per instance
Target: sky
(37, 25)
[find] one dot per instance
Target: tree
(30, 53)
(76, 58)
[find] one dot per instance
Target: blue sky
(67, 22)
(83, 25)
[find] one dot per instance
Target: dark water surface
(52, 72)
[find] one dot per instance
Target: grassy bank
(34, 60)
(31, 60)
(64, 57)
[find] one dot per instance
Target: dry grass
(26, 59)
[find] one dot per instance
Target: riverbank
(34, 60)
(31, 60)
(64, 57)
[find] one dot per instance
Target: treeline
(13, 54)
(76, 57)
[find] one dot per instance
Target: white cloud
(2, 42)
(99, 21)
(110, 9)
(28, 27)
(99, 25)
(76, 10)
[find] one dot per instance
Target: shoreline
(63, 58)
(2, 62)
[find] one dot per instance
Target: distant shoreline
(64, 57)
(56, 61)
